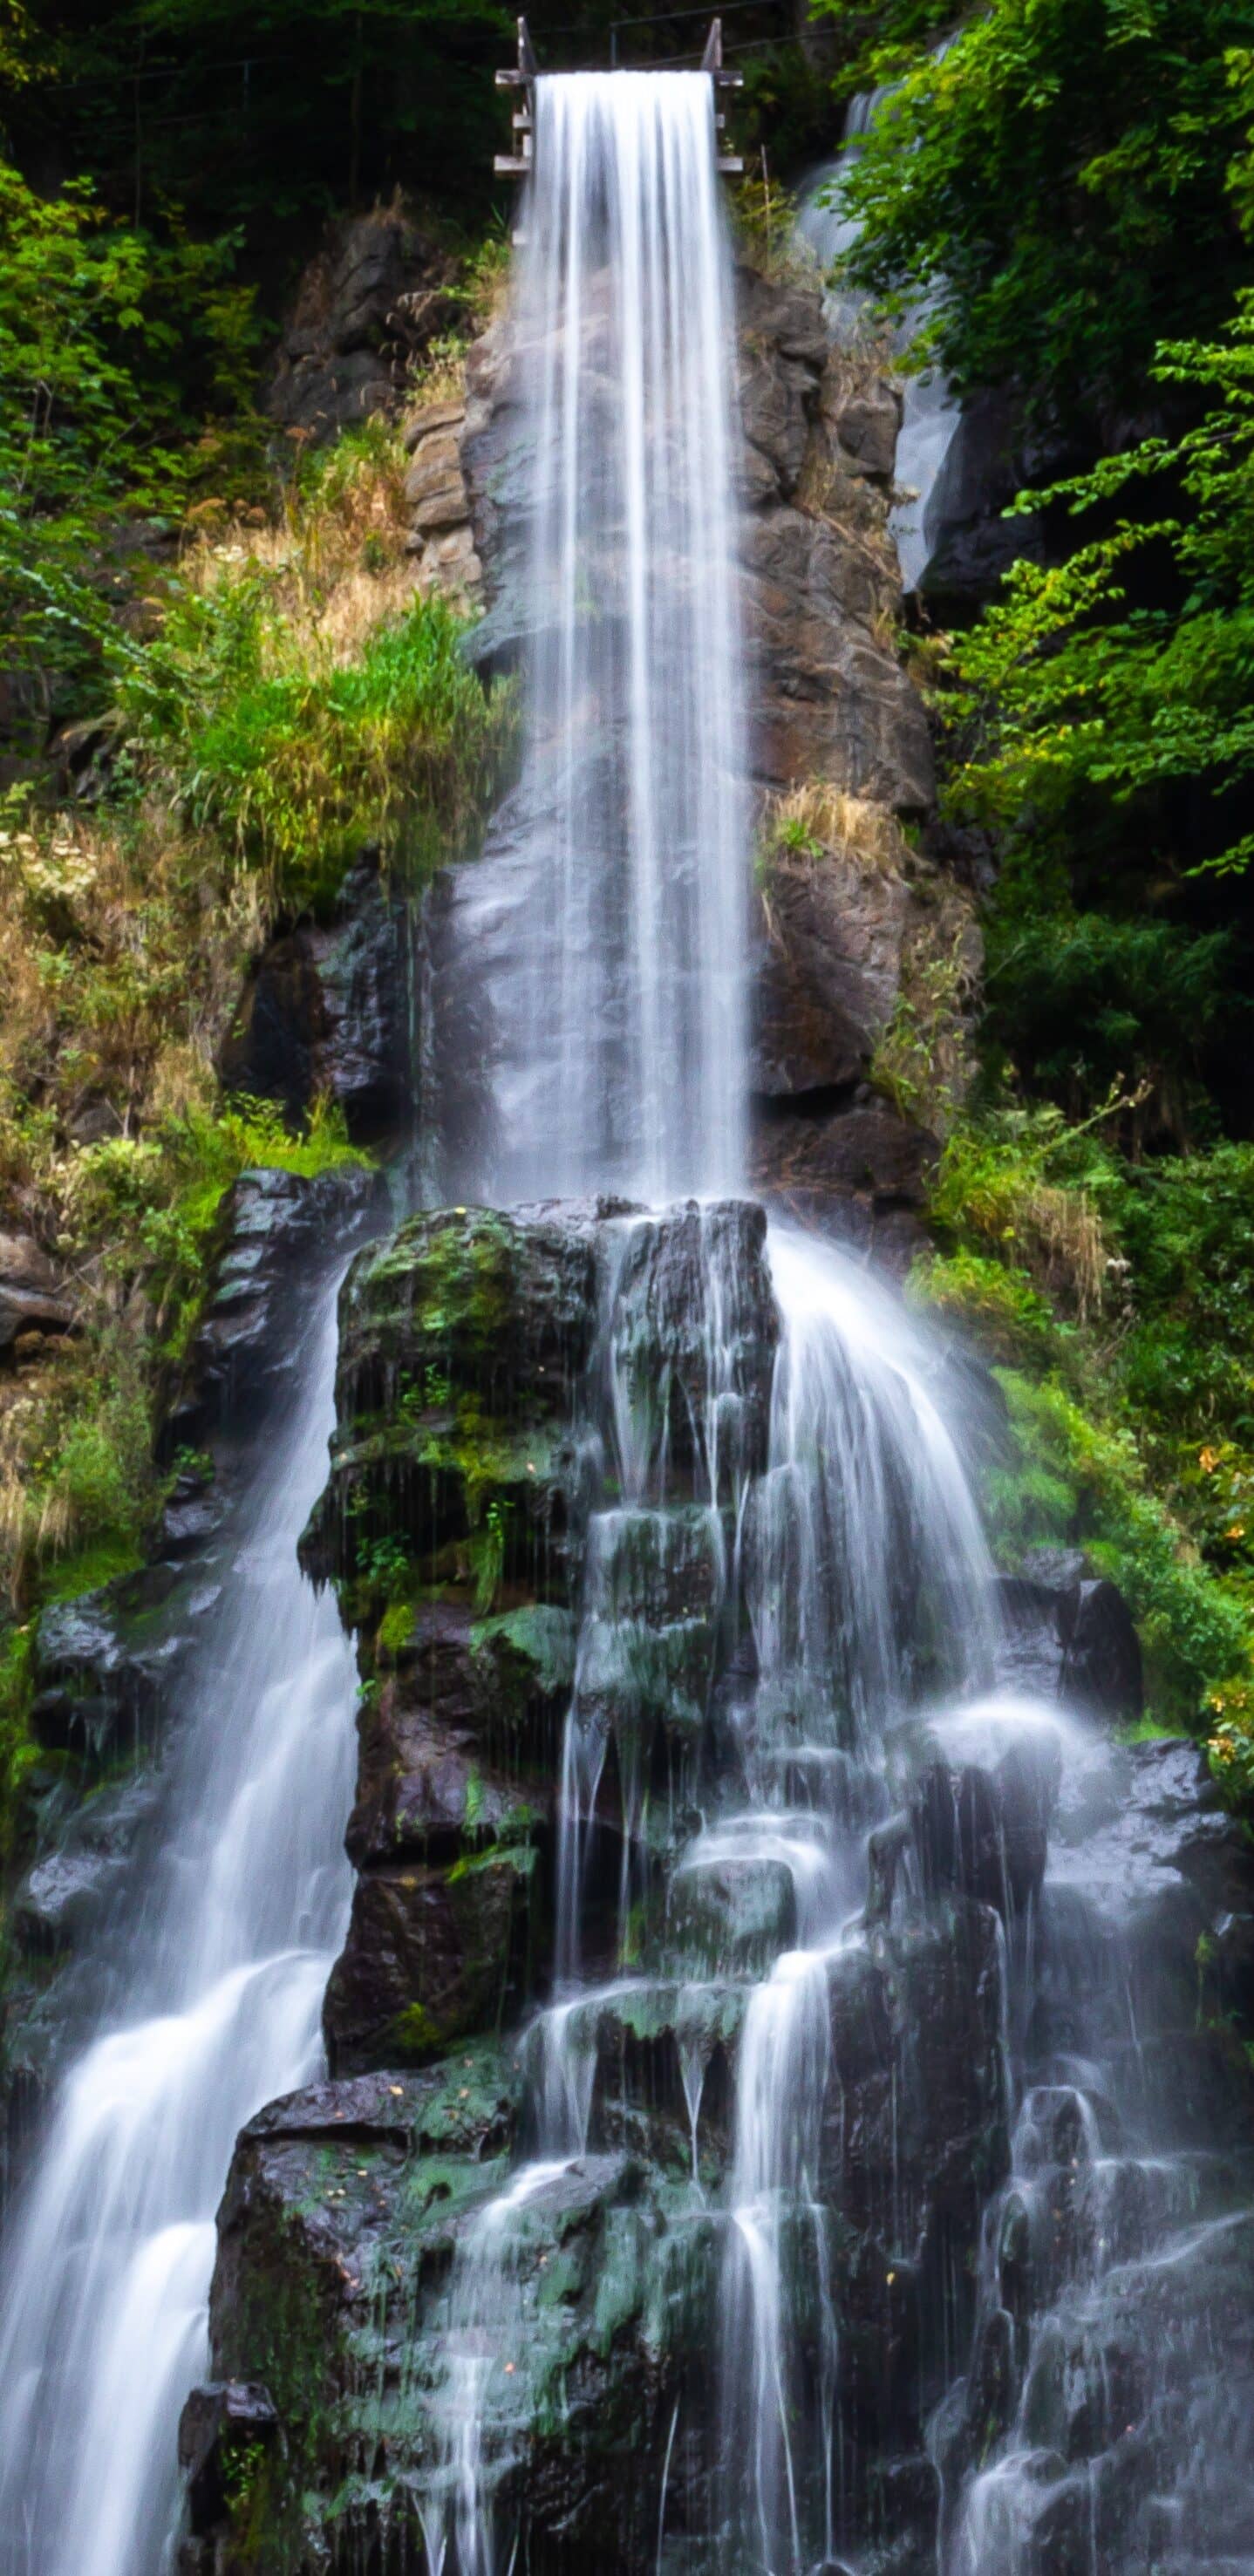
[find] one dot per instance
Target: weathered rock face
(829, 700)
(867, 953)
(441, 533)
(856, 927)
(856, 932)
(1070, 1637)
(35, 1302)
(277, 1231)
(364, 308)
(455, 1520)
(327, 1012)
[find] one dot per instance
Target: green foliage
(1031, 1185)
(1059, 183)
(117, 352)
(997, 1302)
(1230, 1744)
(1187, 1227)
(1069, 684)
(296, 756)
(18, 1752)
(1082, 1002)
(1121, 1298)
(270, 116)
(1083, 1481)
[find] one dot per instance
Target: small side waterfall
(222, 1958)
(621, 861)
(931, 416)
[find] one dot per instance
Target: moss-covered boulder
(462, 1345)
(350, 2211)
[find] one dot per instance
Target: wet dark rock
(326, 1013)
(331, 2290)
(106, 1663)
(829, 976)
(731, 1917)
(195, 1510)
(980, 1793)
(851, 1169)
(60, 1902)
(914, 2134)
(433, 1954)
(434, 2111)
(460, 1344)
(1071, 1637)
(458, 1746)
(365, 306)
(424, 1791)
(973, 542)
(278, 1231)
(688, 1282)
(220, 2424)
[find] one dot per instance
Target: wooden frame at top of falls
(523, 75)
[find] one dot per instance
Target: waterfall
(801, 1835)
(223, 1956)
(619, 1002)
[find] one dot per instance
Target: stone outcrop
(1070, 1636)
(441, 531)
(829, 697)
(365, 308)
(326, 1013)
(453, 1522)
(35, 1301)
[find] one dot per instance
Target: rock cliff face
(364, 310)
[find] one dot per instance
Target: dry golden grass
(818, 819)
(1066, 1248)
(334, 559)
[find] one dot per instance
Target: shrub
(1071, 1478)
(251, 726)
(997, 1302)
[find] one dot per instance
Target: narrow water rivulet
(219, 1957)
(773, 2124)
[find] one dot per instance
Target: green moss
(18, 1751)
(536, 1640)
(395, 1628)
(996, 1302)
(416, 2033)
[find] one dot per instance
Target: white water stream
(620, 1010)
(105, 2287)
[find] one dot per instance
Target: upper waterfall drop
(619, 996)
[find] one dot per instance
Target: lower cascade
(714, 2079)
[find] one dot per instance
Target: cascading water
(223, 1951)
(612, 914)
(606, 919)
(912, 2091)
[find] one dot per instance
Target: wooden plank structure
(523, 75)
